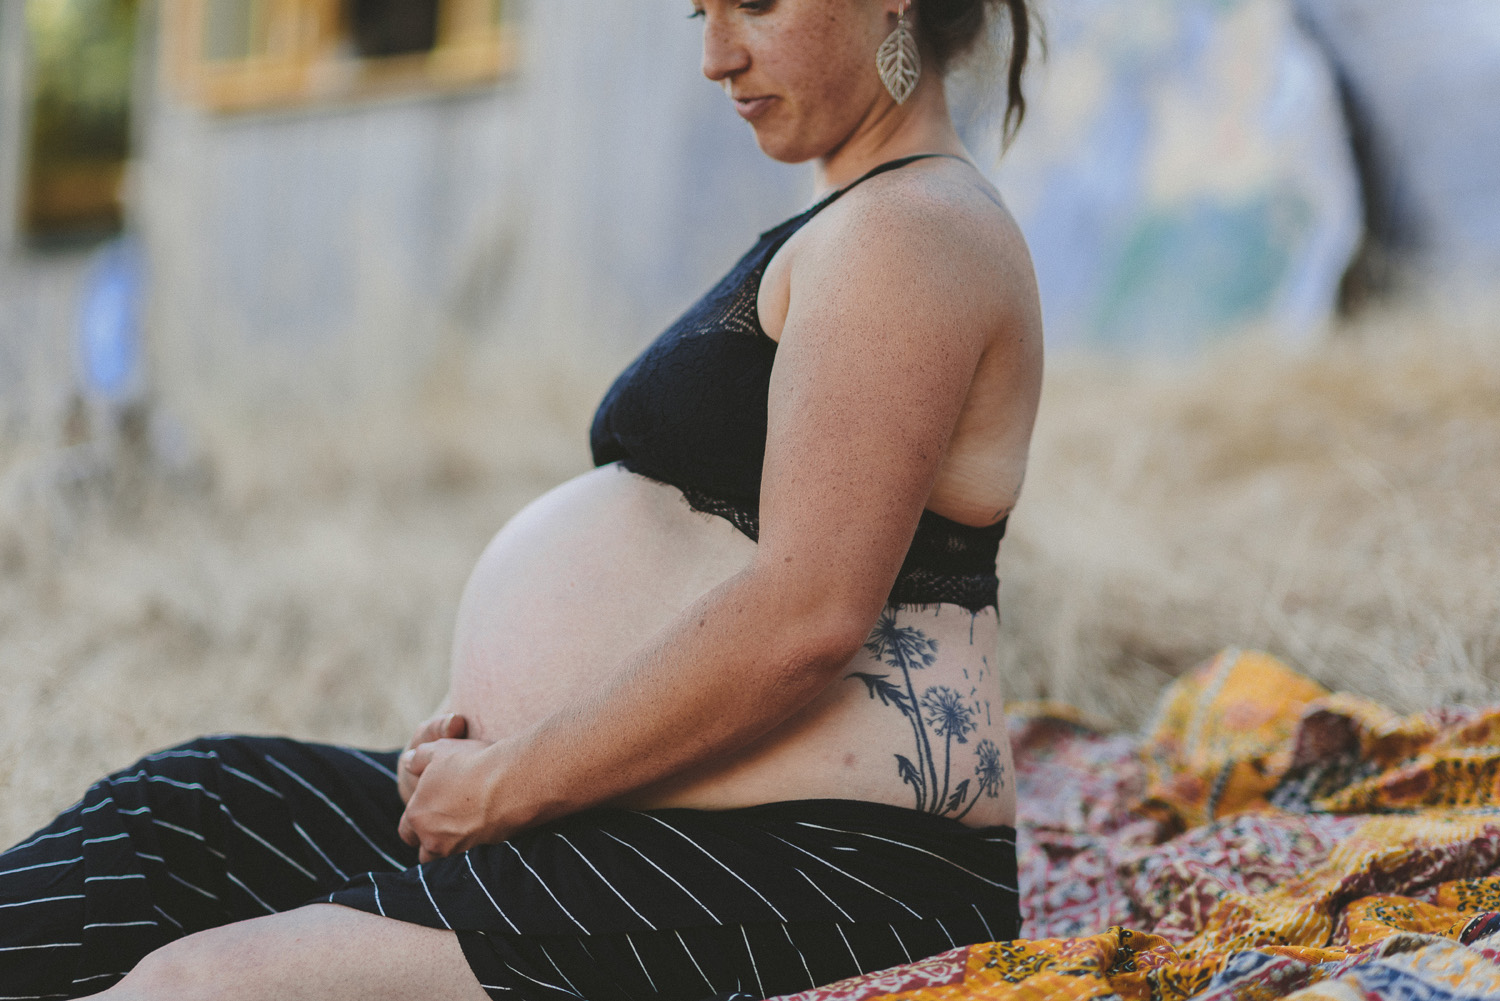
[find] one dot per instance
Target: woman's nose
(724, 54)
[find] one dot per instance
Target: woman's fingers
(449, 726)
(409, 769)
(438, 727)
(427, 731)
(428, 848)
(418, 758)
(406, 832)
(446, 811)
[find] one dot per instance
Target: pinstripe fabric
(618, 905)
(218, 830)
(607, 904)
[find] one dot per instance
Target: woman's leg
(680, 905)
(219, 830)
(324, 952)
(319, 953)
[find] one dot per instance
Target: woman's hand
(452, 807)
(440, 726)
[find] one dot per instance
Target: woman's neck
(921, 125)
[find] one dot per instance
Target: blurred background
(301, 299)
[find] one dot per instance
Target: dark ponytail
(951, 28)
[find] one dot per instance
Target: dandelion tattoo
(989, 771)
(947, 713)
(949, 717)
(940, 713)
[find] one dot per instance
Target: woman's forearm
(730, 668)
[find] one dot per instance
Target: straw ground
(298, 571)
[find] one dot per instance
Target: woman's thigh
(189, 838)
(322, 951)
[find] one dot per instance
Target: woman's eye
(749, 6)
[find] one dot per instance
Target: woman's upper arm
(890, 309)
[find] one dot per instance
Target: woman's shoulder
(942, 195)
(933, 229)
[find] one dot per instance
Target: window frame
(62, 198)
(310, 61)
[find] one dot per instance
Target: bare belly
(592, 570)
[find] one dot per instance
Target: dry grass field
(1334, 505)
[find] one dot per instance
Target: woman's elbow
(814, 622)
(828, 647)
(822, 629)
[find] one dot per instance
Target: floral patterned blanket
(1265, 839)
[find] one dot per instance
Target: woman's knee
(216, 962)
(322, 951)
(179, 968)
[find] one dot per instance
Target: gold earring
(897, 60)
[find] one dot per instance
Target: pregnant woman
(723, 716)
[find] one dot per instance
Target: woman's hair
(952, 28)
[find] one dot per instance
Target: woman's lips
(751, 108)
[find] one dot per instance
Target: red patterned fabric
(1263, 839)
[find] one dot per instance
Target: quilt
(1264, 838)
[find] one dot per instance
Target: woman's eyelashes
(749, 6)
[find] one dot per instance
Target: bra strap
(879, 168)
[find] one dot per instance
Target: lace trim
(743, 518)
(915, 585)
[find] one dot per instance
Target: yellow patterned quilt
(1265, 839)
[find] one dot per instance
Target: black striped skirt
(607, 904)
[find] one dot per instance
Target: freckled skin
(811, 57)
(907, 377)
(815, 59)
(614, 646)
(936, 224)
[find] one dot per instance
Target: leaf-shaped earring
(897, 61)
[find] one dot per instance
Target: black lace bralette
(691, 412)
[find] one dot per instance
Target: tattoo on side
(939, 712)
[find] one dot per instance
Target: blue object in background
(109, 324)
(1185, 173)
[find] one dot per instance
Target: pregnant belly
(572, 585)
(590, 572)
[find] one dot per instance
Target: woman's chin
(782, 148)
